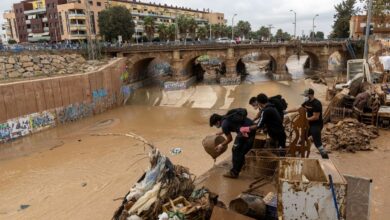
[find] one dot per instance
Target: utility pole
(233, 25)
(314, 25)
(90, 44)
(295, 23)
(368, 27)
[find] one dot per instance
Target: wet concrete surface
(65, 173)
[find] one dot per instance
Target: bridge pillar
(180, 80)
(324, 60)
(231, 77)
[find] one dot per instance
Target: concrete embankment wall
(30, 106)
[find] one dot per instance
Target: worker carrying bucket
(231, 122)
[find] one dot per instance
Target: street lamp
(210, 31)
(270, 26)
(295, 23)
(233, 26)
(313, 24)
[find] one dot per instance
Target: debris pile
(349, 135)
(165, 191)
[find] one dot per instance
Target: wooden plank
(55, 86)
(48, 92)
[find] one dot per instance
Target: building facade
(74, 20)
(381, 27)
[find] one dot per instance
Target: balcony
(36, 11)
(44, 19)
(76, 16)
(28, 21)
(75, 27)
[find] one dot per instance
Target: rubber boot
(323, 153)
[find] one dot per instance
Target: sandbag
(209, 144)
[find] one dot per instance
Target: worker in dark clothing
(269, 119)
(314, 115)
(253, 102)
(242, 143)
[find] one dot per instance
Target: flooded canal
(65, 173)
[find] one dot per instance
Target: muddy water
(65, 173)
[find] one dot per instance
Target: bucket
(209, 144)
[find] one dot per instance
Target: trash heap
(349, 135)
(165, 192)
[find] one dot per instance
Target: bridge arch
(193, 67)
(242, 61)
(147, 66)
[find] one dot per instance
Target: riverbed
(66, 173)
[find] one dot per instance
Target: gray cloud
(259, 12)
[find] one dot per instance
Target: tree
(344, 11)
(149, 27)
(320, 35)
(183, 24)
(202, 32)
(243, 28)
(264, 33)
(116, 21)
(216, 30)
(162, 31)
(379, 7)
(171, 32)
(279, 34)
(192, 26)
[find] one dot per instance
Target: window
(99, 4)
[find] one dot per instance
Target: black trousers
(241, 146)
(315, 133)
(280, 137)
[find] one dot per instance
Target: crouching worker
(231, 122)
(269, 119)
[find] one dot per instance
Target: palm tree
(149, 27)
(162, 30)
(216, 30)
(202, 32)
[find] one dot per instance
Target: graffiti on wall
(19, 127)
(5, 132)
(99, 94)
(73, 112)
(40, 121)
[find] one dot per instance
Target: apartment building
(381, 27)
(167, 14)
(74, 20)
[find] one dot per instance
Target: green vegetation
(344, 11)
(116, 21)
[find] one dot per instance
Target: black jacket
(271, 120)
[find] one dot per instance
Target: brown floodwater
(65, 173)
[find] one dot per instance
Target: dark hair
(262, 98)
(214, 118)
(252, 100)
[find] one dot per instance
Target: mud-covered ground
(65, 173)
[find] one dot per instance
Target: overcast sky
(258, 12)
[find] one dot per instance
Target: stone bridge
(181, 58)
